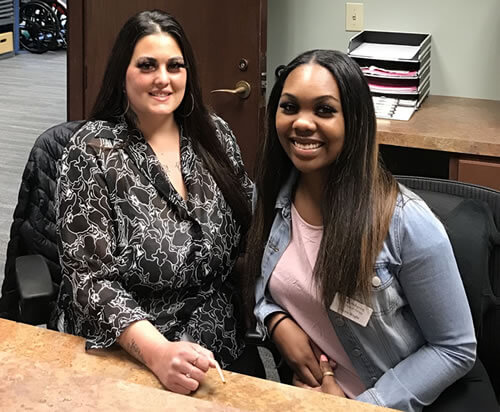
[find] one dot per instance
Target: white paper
(374, 71)
(353, 310)
(385, 51)
(403, 113)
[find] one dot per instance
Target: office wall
(465, 36)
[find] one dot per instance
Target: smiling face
(156, 76)
(309, 119)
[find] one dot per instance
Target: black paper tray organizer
(397, 67)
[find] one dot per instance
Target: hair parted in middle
(358, 200)
(192, 113)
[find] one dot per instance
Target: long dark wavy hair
(192, 114)
(358, 201)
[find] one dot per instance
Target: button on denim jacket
(420, 336)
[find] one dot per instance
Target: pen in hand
(188, 338)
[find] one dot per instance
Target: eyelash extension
(322, 110)
(287, 106)
(325, 109)
(145, 64)
(177, 65)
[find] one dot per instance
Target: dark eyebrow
(326, 96)
(152, 59)
(146, 59)
(175, 58)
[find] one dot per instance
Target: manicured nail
(323, 358)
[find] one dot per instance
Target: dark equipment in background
(43, 25)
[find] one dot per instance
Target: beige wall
(465, 36)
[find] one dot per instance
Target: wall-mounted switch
(354, 18)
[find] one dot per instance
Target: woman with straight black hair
(355, 278)
(153, 204)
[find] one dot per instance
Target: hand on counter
(328, 383)
(179, 366)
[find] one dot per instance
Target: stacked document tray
(397, 67)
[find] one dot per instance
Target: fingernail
(323, 358)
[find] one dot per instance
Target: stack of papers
(385, 51)
(395, 109)
(388, 74)
(397, 69)
(384, 88)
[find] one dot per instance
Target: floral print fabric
(131, 248)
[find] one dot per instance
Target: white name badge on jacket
(353, 310)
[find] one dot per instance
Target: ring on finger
(328, 373)
(188, 375)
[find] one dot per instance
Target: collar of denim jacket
(285, 193)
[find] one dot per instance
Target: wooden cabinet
(477, 170)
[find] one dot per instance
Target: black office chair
(471, 216)
(32, 271)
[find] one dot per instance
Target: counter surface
(42, 368)
(449, 124)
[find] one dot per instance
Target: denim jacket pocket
(387, 295)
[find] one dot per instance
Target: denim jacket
(420, 336)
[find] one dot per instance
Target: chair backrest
(33, 230)
(471, 216)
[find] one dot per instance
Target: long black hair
(358, 200)
(192, 114)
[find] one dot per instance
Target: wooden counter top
(449, 124)
(43, 369)
(36, 386)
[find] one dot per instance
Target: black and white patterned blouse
(131, 248)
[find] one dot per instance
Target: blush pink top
(293, 288)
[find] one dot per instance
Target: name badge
(353, 310)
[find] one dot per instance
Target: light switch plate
(354, 16)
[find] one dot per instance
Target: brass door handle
(242, 89)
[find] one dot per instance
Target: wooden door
(229, 40)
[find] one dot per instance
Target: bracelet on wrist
(273, 328)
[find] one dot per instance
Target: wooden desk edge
(442, 144)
